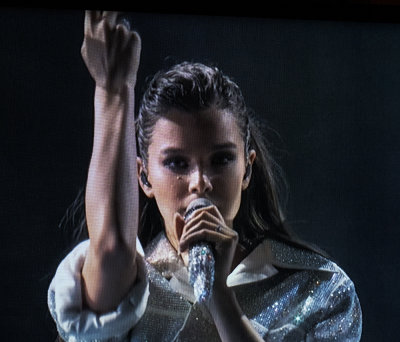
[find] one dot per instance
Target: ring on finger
(218, 229)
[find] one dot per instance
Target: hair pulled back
(191, 88)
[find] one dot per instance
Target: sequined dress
(287, 293)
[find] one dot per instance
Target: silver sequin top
(288, 294)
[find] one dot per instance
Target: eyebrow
(222, 146)
(171, 150)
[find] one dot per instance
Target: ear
(142, 178)
(249, 167)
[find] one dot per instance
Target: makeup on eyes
(179, 162)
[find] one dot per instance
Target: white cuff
(77, 324)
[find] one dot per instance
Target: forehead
(199, 129)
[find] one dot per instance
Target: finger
(200, 232)
(203, 217)
(212, 209)
(210, 235)
(136, 45)
(201, 227)
(124, 36)
(91, 19)
(124, 23)
(111, 17)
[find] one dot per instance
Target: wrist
(112, 93)
(232, 324)
(113, 108)
(223, 301)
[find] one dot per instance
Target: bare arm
(111, 53)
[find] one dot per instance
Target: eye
(222, 158)
(176, 164)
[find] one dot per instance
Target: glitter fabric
(309, 299)
(163, 256)
(201, 259)
(201, 271)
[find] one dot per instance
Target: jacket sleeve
(340, 312)
(74, 323)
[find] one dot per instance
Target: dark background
(327, 83)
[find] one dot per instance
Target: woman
(195, 139)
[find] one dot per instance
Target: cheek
(168, 192)
(231, 193)
(235, 201)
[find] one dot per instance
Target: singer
(192, 138)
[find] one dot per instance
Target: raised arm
(111, 53)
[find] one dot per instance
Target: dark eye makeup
(176, 164)
(222, 158)
(181, 165)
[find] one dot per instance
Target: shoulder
(309, 264)
(310, 292)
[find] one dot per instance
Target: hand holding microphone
(201, 259)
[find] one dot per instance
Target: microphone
(201, 259)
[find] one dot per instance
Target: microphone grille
(196, 204)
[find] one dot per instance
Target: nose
(199, 182)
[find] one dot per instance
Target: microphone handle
(201, 259)
(201, 270)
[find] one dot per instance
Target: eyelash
(222, 158)
(176, 164)
(179, 164)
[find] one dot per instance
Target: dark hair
(192, 87)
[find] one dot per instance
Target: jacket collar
(263, 262)
(271, 254)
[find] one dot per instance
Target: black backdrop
(329, 88)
